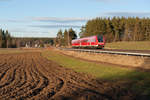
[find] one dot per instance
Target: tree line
(32, 41)
(65, 38)
(118, 29)
(5, 39)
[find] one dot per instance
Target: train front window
(100, 38)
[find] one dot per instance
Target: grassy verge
(140, 80)
(136, 45)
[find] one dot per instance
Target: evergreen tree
(66, 37)
(8, 39)
(72, 35)
(109, 31)
(5, 39)
(60, 37)
(116, 25)
(82, 31)
(1, 38)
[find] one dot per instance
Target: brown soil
(30, 76)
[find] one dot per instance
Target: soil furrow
(31, 76)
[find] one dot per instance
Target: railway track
(142, 53)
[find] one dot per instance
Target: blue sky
(43, 18)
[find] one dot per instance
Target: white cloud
(56, 26)
(59, 20)
(128, 14)
(36, 26)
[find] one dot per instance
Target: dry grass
(108, 58)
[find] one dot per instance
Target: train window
(100, 38)
(89, 40)
(93, 40)
(84, 40)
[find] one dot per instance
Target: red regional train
(96, 41)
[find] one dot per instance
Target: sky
(44, 18)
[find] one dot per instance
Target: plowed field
(30, 76)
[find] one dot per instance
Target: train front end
(101, 41)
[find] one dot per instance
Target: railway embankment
(121, 60)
